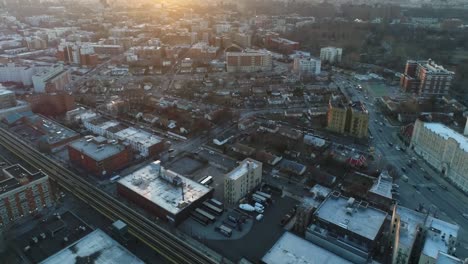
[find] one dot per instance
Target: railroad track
(165, 243)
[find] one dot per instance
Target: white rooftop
(365, 222)
(5, 91)
(150, 184)
(410, 220)
(95, 150)
(242, 169)
(108, 124)
(383, 185)
(99, 247)
(447, 133)
(444, 258)
(434, 242)
(136, 135)
(291, 249)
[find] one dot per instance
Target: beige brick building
(445, 149)
(241, 180)
(351, 119)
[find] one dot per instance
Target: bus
(115, 178)
(266, 195)
(206, 214)
(200, 218)
(213, 209)
(207, 180)
(224, 230)
(216, 203)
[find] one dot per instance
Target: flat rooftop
(362, 220)
(5, 92)
(97, 151)
(108, 124)
(14, 176)
(151, 182)
(412, 220)
(446, 133)
(383, 185)
(444, 258)
(137, 135)
(291, 249)
(242, 169)
(97, 247)
(434, 242)
(55, 131)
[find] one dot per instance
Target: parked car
(443, 187)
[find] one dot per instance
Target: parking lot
(186, 165)
(256, 242)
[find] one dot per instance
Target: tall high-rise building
(331, 54)
(352, 119)
(426, 78)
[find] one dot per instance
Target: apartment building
(421, 238)
(426, 78)
(51, 80)
(248, 61)
(22, 193)
(242, 180)
(443, 148)
(11, 72)
(349, 228)
(307, 65)
(7, 98)
(351, 119)
(331, 54)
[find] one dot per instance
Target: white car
(259, 217)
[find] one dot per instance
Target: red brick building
(51, 104)
(99, 157)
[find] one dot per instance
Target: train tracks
(165, 243)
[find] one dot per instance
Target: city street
(448, 205)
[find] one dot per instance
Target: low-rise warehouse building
(165, 193)
(96, 247)
(292, 249)
(99, 156)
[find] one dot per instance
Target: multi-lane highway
(173, 248)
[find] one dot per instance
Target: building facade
(22, 193)
(307, 65)
(16, 73)
(331, 54)
(7, 98)
(248, 61)
(443, 148)
(242, 180)
(426, 78)
(352, 119)
(51, 80)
